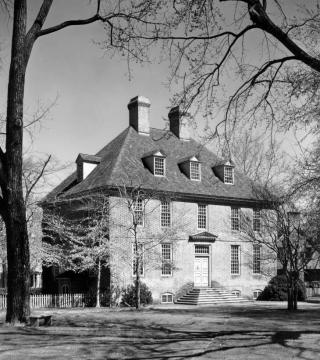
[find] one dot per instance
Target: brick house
(204, 200)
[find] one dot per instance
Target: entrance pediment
(204, 236)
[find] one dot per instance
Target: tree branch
(69, 23)
(28, 191)
(261, 19)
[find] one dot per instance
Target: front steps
(209, 296)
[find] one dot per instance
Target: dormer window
(159, 166)
(225, 172)
(195, 170)
(155, 161)
(228, 174)
(191, 167)
(85, 165)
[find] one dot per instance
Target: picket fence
(53, 301)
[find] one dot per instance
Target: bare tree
(79, 240)
(291, 236)
(12, 206)
(199, 40)
(137, 233)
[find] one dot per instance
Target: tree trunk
(295, 290)
(137, 281)
(290, 298)
(98, 284)
(138, 291)
(18, 308)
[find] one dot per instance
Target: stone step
(207, 296)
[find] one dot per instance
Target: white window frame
(159, 168)
(256, 220)
(256, 259)
(235, 259)
(236, 292)
(166, 294)
(227, 177)
(201, 250)
(256, 293)
(142, 260)
(138, 208)
(202, 217)
(165, 213)
(166, 263)
(196, 172)
(235, 218)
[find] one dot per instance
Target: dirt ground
(244, 331)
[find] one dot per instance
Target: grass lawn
(258, 330)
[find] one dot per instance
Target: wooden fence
(54, 301)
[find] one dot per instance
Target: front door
(201, 271)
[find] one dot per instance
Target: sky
(91, 88)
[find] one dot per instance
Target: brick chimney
(179, 123)
(139, 113)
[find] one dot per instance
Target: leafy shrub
(129, 295)
(276, 290)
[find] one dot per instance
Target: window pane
(201, 249)
(159, 166)
(256, 259)
(165, 214)
(256, 219)
(235, 260)
(194, 170)
(235, 218)
(228, 175)
(166, 252)
(138, 212)
(202, 216)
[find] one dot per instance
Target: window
(135, 257)
(236, 292)
(194, 170)
(159, 166)
(166, 253)
(202, 216)
(167, 298)
(165, 214)
(256, 219)
(256, 264)
(201, 249)
(256, 293)
(228, 175)
(35, 279)
(138, 212)
(235, 260)
(235, 218)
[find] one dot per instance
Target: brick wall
(184, 223)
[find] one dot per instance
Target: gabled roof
(121, 164)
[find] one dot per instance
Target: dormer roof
(93, 159)
(159, 152)
(195, 158)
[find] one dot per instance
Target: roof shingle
(121, 164)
